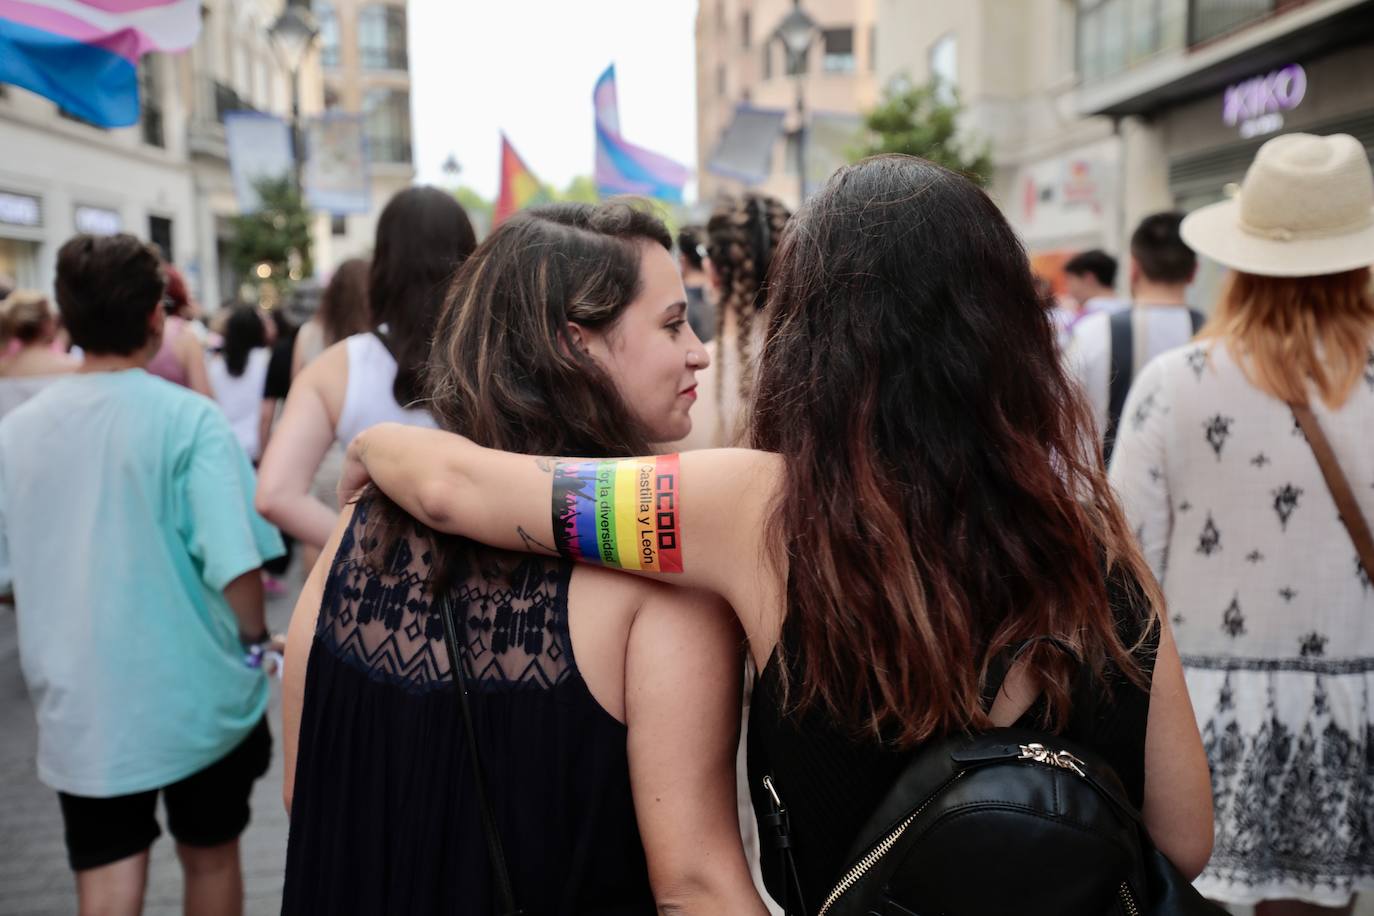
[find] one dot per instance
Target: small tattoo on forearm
(533, 544)
(544, 464)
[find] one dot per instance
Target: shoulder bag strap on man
(505, 895)
(1336, 482)
(1120, 371)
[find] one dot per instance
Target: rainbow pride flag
(83, 54)
(519, 187)
(621, 166)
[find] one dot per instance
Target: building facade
(168, 179)
(365, 62)
(741, 61)
(1099, 112)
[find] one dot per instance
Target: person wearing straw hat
(1270, 599)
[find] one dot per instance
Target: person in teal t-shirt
(129, 541)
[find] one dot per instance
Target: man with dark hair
(1090, 278)
(1109, 349)
(129, 541)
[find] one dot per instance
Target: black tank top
(831, 781)
(384, 817)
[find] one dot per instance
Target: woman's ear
(578, 337)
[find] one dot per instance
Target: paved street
(34, 878)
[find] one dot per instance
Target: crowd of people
(885, 494)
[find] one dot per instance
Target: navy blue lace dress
(384, 818)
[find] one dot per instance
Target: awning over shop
(745, 150)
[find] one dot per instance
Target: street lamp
(796, 32)
(292, 35)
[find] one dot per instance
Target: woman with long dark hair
(423, 236)
(922, 506)
(605, 709)
(238, 374)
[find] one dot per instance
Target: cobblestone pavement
(34, 878)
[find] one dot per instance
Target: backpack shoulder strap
(1119, 373)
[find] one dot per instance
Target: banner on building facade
(830, 138)
(336, 177)
(259, 147)
(745, 150)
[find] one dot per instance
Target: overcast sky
(528, 67)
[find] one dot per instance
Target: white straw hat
(1305, 208)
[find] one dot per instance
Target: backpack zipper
(1128, 900)
(875, 855)
(1033, 752)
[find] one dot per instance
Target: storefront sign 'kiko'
(1256, 105)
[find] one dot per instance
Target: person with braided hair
(741, 236)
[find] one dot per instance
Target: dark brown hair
(107, 286)
(943, 503)
(343, 307)
(423, 236)
(742, 235)
(503, 370)
(1159, 249)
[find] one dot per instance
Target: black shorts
(207, 808)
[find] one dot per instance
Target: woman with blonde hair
(1217, 466)
(27, 317)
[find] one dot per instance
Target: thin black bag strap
(1197, 319)
(1120, 374)
(504, 893)
(778, 829)
(1337, 483)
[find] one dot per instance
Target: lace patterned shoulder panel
(512, 608)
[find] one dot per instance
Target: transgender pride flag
(82, 54)
(622, 167)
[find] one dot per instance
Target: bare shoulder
(327, 377)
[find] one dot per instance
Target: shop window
(1208, 19)
(160, 234)
(150, 101)
(382, 37)
(839, 51)
(329, 34)
(944, 68)
(386, 118)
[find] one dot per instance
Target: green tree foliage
(277, 234)
(919, 121)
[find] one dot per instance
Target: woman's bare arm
(1178, 787)
(191, 354)
(683, 676)
(698, 519)
(299, 637)
(298, 446)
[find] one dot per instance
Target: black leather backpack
(1012, 821)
